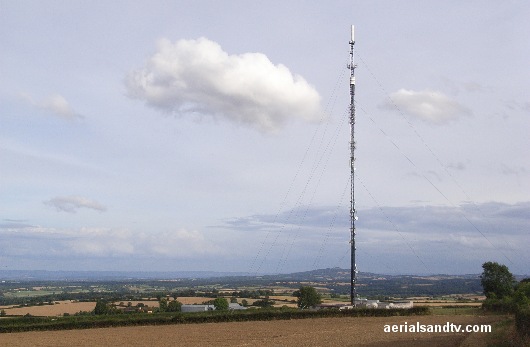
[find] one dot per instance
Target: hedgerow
(20, 324)
(522, 321)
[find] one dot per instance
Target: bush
(307, 297)
(174, 306)
(497, 281)
(221, 304)
(522, 321)
(264, 303)
(102, 307)
(506, 305)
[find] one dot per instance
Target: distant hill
(370, 284)
(43, 275)
(335, 280)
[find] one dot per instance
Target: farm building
(236, 306)
(203, 308)
(197, 308)
(369, 304)
(403, 304)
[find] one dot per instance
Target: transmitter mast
(353, 214)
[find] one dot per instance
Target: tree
(221, 304)
(307, 297)
(162, 305)
(522, 293)
(101, 307)
(174, 306)
(265, 303)
(497, 281)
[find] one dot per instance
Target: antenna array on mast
(353, 215)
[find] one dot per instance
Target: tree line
(505, 294)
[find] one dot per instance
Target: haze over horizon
(213, 136)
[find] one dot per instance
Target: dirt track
(305, 332)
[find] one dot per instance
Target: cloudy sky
(213, 135)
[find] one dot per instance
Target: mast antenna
(353, 213)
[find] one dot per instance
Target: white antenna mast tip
(352, 33)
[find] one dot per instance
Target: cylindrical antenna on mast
(353, 215)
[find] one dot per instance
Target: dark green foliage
(174, 306)
(221, 304)
(505, 305)
(263, 303)
(307, 297)
(503, 295)
(497, 281)
(171, 306)
(162, 305)
(102, 307)
(519, 300)
(522, 294)
(253, 294)
(522, 321)
(502, 292)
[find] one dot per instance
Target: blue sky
(202, 135)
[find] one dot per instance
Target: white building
(369, 304)
(203, 308)
(235, 306)
(197, 308)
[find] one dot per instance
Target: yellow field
(58, 309)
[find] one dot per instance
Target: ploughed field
(348, 331)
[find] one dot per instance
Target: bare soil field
(51, 310)
(365, 331)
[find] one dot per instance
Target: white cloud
(474, 241)
(181, 242)
(197, 77)
(24, 240)
(55, 104)
(430, 106)
(71, 204)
